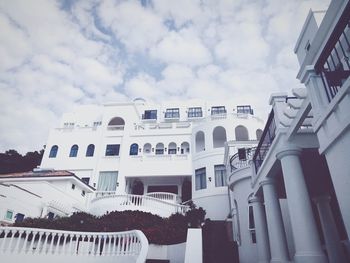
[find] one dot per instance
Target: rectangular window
(201, 179)
(171, 151)
(19, 217)
(217, 110)
(220, 175)
(172, 113)
(195, 112)
(107, 181)
(159, 151)
(82, 193)
(9, 215)
(150, 115)
(112, 149)
(73, 186)
(244, 109)
(251, 224)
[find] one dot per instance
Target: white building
(289, 195)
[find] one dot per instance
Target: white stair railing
(100, 205)
(33, 245)
(168, 197)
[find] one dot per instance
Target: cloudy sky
(58, 54)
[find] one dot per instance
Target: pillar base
(310, 258)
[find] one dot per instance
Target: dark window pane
(112, 149)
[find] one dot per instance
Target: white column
(275, 227)
(330, 232)
(262, 238)
(306, 240)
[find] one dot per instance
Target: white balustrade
(104, 193)
(43, 245)
(100, 205)
(167, 197)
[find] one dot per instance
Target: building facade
(289, 195)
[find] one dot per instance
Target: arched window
(74, 151)
(172, 148)
(241, 133)
(134, 149)
(160, 148)
(258, 134)
(116, 123)
(200, 141)
(147, 148)
(53, 151)
(219, 137)
(185, 148)
(90, 150)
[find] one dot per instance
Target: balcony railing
(265, 142)
(38, 245)
(115, 127)
(167, 197)
(333, 64)
(236, 162)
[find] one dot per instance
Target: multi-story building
(289, 195)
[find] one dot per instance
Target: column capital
(288, 151)
(267, 181)
(255, 199)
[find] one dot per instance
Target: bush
(158, 230)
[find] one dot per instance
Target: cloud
(56, 55)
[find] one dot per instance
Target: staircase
(216, 246)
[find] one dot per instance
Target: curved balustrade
(100, 205)
(237, 163)
(168, 197)
(42, 245)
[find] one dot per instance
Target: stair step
(157, 261)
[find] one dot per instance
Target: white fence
(45, 245)
(100, 205)
(167, 197)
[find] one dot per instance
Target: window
(149, 115)
(112, 149)
(147, 148)
(241, 133)
(74, 151)
(200, 141)
(245, 109)
(19, 217)
(73, 186)
(97, 123)
(116, 123)
(220, 175)
(90, 150)
(172, 113)
(251, 224)
(134, 149)
(82, 193)
(242, 154)
(160, 148)
(185, 148)
(201, 180)
(195, 112)
(219, 137)
(172, 148)
(217, 110)
(53, 151)
(9, 215)
(86, 180)
(107, 181)
(50, 216)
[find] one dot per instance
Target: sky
(55, 55)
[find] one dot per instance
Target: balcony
(218, 112)
(333, 64)
(265, 142)
(45, 245)
(146, 203)
(242, 159)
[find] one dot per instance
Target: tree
(11, 161)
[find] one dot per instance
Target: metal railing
(333, 64)
(265, 142)
(236, 162)
(115, 127)
(28, 244)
